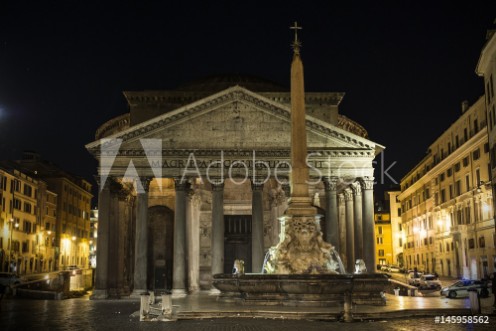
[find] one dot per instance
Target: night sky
(405, 67)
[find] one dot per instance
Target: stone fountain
(302, 269)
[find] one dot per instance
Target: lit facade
(397, 233)
(69, 200)
(19, 224)
(383, 236)
(486, 68)
(446, 202)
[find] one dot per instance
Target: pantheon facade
(196, 177)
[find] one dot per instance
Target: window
(381, 252)
(28, 190)
(449, 172)
(482, 242)
(476, 154)
(27, 226)
(17, 204)
(379, 229)
(457, 167)
(27, 207)
(400, 242)
(458, 188)
(465, 161)
(467, 183)
(379, 241)
(477, 176)
(467, 215)
(441, 177)
(471, 243)
(486, 148)
(443, 195)
(399, 211)
(451, 191)
(476, 126)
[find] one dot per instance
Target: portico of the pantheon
(193, 178)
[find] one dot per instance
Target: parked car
(393, 268)
(10, 278)
(430, 282)
(413, 278)
(461, 288)
(384, 267)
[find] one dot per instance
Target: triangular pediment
(236, 118)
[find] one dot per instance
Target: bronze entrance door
(237, 241)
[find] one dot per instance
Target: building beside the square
(383, 235)
(486, 68)
(22, 249)
(50, 218)
(397, 234)
(447, 209)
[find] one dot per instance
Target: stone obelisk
(301, 249)
(300, 203)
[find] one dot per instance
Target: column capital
(348, 194)
(357, 188)
(145, 183)
(341, 198)
(257, 186)
(330, 183)
(218, 186)
(367, 183)
(104, 185)
(181, 184)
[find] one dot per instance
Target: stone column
(331, 206)
(350, 249)
(257, 232)
(193, 240)
(368, 223)
(101, 281)
(180, 254)
(342, 227)
(217, 228)
(113, 240)
(357, 219)
(141, 240)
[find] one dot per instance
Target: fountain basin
(301, 289)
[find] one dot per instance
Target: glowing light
(415, 229)
(73, 238)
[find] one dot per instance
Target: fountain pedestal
(300, 290)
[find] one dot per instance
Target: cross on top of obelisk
(296, 44)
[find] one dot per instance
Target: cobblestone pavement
(84, 314)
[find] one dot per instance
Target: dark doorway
(237, 241)
(160, 247)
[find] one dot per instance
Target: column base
(99, 295)
(136, 294)
(179, 293)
